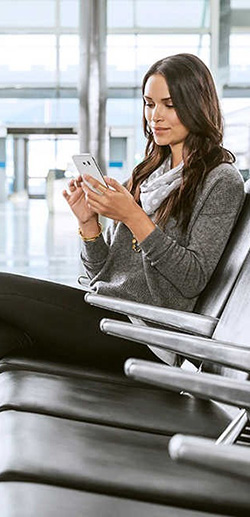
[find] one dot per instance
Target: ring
(102, 188)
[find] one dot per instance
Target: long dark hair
(194, 96)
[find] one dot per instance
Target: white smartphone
(86, 164)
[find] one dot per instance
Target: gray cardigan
(174, 266)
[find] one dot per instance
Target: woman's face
(161, 115)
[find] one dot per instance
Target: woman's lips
(160, 129)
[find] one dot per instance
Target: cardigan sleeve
(189, 267)
(94, 254)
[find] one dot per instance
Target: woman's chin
(161, 141)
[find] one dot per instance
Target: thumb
(65, 195)
(114, 184)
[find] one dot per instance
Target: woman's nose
(157, 114)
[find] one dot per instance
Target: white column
(3, 134)
(92, 87)
(215, 41)
(20, 163)
(220, 15)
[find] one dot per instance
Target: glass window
(159, 13)
(69, 13)
(39, 112)
(172, 13)
(239, 4)
(124, 113)
(69, 59)
(55, 152)
(239, 58)
(237, 130)
(28, 59)
(121, 59)
(120, 13)
(27, 13)
(150, 48)
(44, 147)
(66, 146)
(22, 111)
(121, 112)
(64, 112)
(129, 56)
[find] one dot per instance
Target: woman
(170, 223)
(181, 202)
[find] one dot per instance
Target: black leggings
(49, 320)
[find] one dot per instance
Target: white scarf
(159, 185)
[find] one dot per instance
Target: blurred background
(70, 78)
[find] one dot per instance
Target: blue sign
(116, 164)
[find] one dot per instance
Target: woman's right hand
(77, 201)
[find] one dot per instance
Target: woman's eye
(149, 105)
(169, 105)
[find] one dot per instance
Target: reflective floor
(38, 243)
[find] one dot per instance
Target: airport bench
(81, 441)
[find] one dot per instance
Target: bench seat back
(215, 295)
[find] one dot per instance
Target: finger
(78, 182)
(89, 194)
(95, 206)
(114, 184)
(85, 188)
(74, 183)
(71, 183)
(100, 189)
(95, 183)
(65, 195)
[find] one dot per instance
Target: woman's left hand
(115, 203)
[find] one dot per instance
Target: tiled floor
(37, 243)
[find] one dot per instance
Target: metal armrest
(198, 347)
(204, 385)
(84, 282)
(186, 321)
(232, 459)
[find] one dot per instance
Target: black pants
(49, 320)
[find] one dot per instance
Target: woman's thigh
(59, 322)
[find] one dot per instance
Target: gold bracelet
(91, 239)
